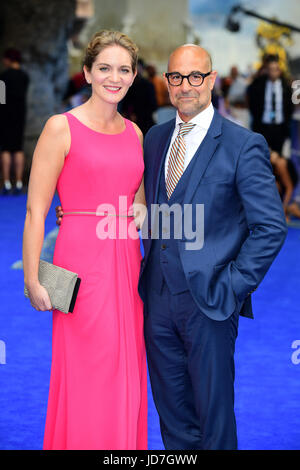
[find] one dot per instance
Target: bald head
(191, 50)
(190, 98)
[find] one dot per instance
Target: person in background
(12, 120)
(75, 84)
(140, 102)
(286, 179)
(270, 105)
(235, 101)
(293, 209)
(165, 110)
(78, 91)
(161, 89)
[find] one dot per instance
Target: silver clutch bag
(62, 286)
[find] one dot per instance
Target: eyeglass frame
(203, 75)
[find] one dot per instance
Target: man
(270, 104)
(193, 297)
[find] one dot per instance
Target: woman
(98, 396)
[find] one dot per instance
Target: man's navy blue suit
(193, 298)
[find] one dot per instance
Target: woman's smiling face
(111, 74)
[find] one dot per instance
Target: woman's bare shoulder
(57, 123)
(56, 133)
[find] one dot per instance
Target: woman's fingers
(40, 299)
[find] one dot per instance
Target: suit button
(163, 246)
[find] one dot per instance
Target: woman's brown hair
(106, 38)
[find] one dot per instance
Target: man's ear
(166, 80)
(87, 75)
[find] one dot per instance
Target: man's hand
(59, 214)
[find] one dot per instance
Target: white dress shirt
(269, 113)
(194, 138)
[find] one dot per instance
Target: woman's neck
(101, 112)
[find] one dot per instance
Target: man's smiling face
(190, 100)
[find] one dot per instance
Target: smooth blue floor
(267, 382)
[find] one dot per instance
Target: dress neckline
(97, 132)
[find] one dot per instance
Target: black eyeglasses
(194, 78)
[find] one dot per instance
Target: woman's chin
(113, 98)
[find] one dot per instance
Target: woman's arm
(139, 206)
(47, 163)
(139, 203)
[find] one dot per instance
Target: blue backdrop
(267, 381)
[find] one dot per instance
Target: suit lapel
(162, 151)
(203, 155)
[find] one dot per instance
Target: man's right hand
(59, 214)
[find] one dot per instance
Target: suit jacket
(244, 223)
(256, 99)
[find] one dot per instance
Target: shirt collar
(203, 119)
(276, 83)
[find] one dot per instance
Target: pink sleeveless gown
(98, 385)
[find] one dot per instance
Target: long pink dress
(98, 385)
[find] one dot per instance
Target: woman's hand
(39, 297)
(139, 213)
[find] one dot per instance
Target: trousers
(191, 368)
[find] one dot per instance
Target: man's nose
(185, 86)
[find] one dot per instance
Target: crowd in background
(261, 101)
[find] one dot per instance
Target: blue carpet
(267, 381)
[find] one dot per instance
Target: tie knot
(185, 128)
